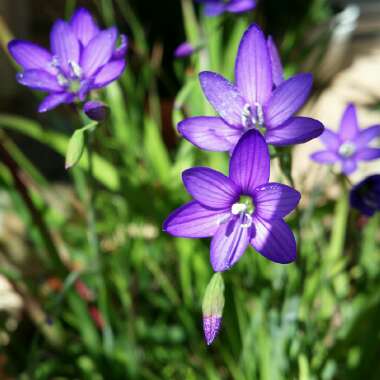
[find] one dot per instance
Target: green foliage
(131, 309)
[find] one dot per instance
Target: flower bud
(185, 49)
(212, 307)
(96, 110)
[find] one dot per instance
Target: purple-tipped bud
(211, 327)
(96, 110)
(212, 307)
(185, 49)
(365, 196)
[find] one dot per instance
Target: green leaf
(75, 149)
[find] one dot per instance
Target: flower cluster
(244, 209)
(82, 58)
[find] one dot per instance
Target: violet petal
(31, 56)
(331, 140)
(368, 154)
(108, 73)
(53, 100)
(96, 110)
(296, 130)
(253, 71)
(193, 220)
(39, 80)
(367, 135)
(287, 99)
(210, 188)
(277, 69)
(84, 26)
(349, 165)
(223, 96)
(229, 243)
(99, 51)
(250, 162)
(64, 44)
(325, 157)
(240, 6)
(349, 128)
(209, 133)
(274, 240)
(274, 200)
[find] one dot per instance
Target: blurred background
(135, 312)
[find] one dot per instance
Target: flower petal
(250, 162)
(349, 165)
(239, 6)
(331, 140)
(210, 188)
(223, 96)
(108, 73)
(209, 133)
(192, 220)
(53, 100)
(367, 135)
(84, 26)
(98, 51)
(287, 99)
(349, 127)
(253, 70)
(39, 80)
(274, 240)
(273, 200)
(277, 69)
(325, 157)
(296, 130)
(368, 154)
(64, 44)
(228, 244)
(31, 56)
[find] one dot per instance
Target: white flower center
(347, 149)
(245, 217)
(253, 117)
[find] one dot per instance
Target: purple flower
(349, 145)
(82, 58)
(183, 50)
(238, 210)
(217, 7)
(259, 100)
(365, 196)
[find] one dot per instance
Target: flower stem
(94, 246)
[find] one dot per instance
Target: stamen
(76, 70)
(62, 80)
(238, 208)
(249, 220)
(260, 114)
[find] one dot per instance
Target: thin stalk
(94, 245)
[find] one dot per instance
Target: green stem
(94, 245)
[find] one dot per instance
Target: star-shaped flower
(82, 58)
(260, 99)
(239, 210)
(350, 145)
(217, 7)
